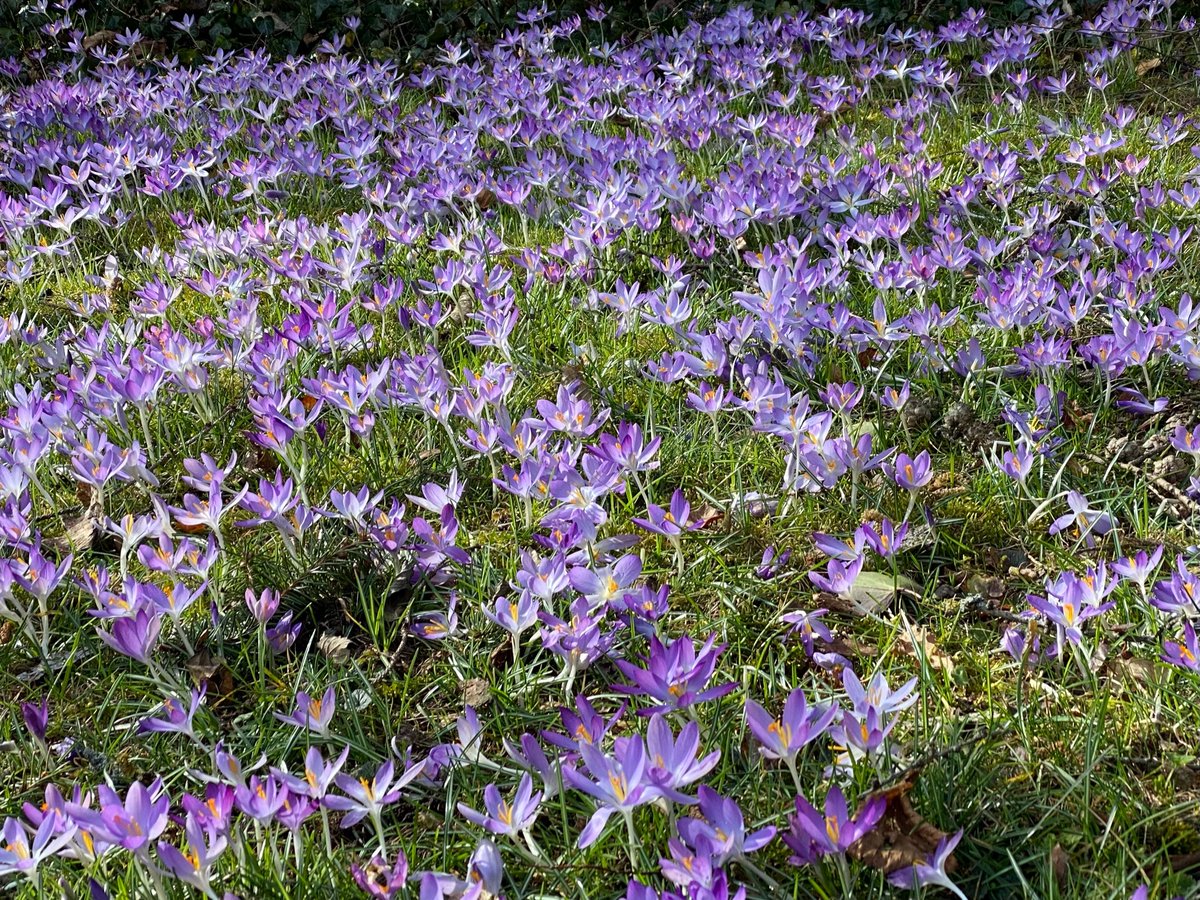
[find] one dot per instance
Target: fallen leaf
(1181, 862)
(335, 647)
(1131, 672)
(850, 646)
(95, 39)
(913, 640)
(502, 657)
(476, 692)
(902, 838)
(81, 533)
(1060, 865)
(708, 515)
(872, 592)
(485, 199)
(204, 667)
(1147, 65)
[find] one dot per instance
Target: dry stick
(1161, 486)
(934, 755)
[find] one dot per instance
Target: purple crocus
(175, 716)
(772, 564)
(911, 472)
(673, 761)
(195, 866)
(19, 855)
(1084, 521)
(134, 636)
(676, 674)
(512, 819)
(796, 728)
(313, 713)
(379, 879)
(834, 830)
(260, 798)
(809, 626)
(618, 783)
(366, 798)
(283, 634)
(132, 822)
(263, 605)
(840, 576)
(932, 872)
(1185, 652)
(36, 717)
(723, 826)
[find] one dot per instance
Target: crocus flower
(1018, 462)
(20, 856)
(1139, 567)
(673, 761)
(1084, 521)
(932, 871)
(603, 585)
(283, 634)
(877, 694)
(911, 472)
(503, 817)
(260, 798)
(131, 823)
(618, 783)
(582, 724)
(834, 830)
(1180, 594)
(263, 605)
(135, 636)
(318, 774)
(528, 754)
(485, 872)
(1069, 602)
(676, 675)
(1185, 652)
(785, 737)
(380, 880)
(721, 824)
(887, 539)
(840, 578)
(174, 716)
(514, 617)
(771, 566)
(809, 626)
(194, 867)
(313, 713)
(670, 522)
(36, 717)
(366, 798)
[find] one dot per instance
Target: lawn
(759, 460)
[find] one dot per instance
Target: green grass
(1066, 786)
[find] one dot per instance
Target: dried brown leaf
(204, 667)
(80, 533)
(1131, 672)
(1182, 862)
(708, 515)
(335, 647)
(97, 38)
(1060, 865)
(872, 592)
(1147, 65)
(476, 692)
(902, 838)
(914, 641)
